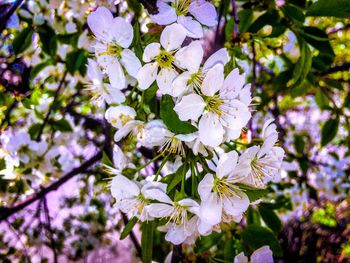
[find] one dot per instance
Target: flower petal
(122, 32)
(147, 75)
(204, 12)
(227, 163)
(193, 27)
(151, 51)
(172, 37)
(130, 62)
(158, 210)
(213, 80)
(122, 187)
(190, 57)
(263, 254)
(220, 56)
(116, 75)
(211, 210)
(179, 86)
(205, 187)
(233, 84)
(211, 131)
(100, 22)
(165, 79)
(236, 205)
(190, 107)
(166, 14)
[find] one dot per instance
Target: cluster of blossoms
(214, 106)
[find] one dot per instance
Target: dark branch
(150, 5)
(6, 212)
(5, 18)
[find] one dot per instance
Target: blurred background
(55, 204)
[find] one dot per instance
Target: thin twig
(6, 212)
(60, 85)
(235, 18)
(4, 19)
(49, 230)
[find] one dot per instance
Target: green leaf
(106, 160)
(299, 143)
(2, 164)
(34, 130)
(321, 99)
(329, 131)
(23, 40)
(76, 61)
(39, 67)
(294, 12)
(128, 227)
(147, 241)
(177, 178)
(303, 65)
(61, 125)
(255, 236)
(253, 193)
(268, 18)
(48, 39)
(253, 217)
(245, 17)
(149, 93)
(136, 43)
(171, 119)
(336, 8)
(135, 6)
(270, 218)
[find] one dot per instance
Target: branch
(151, 6)
(6, 212)
(235, 18)
(343, 67)
(177, 254)
(49, 230)
(38, 138)
(4, 19)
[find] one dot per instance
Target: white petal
(193, 27)
(100, 22)
(245, 95)
(166, 14)
(263, 254)
(147, 75)
(125, 130)
(172, 37)
(122, 32)
(205, 187)
(130, 62)
(176, 234)
(204, 12)
(122, 187)
(211, 210)
(240, 258)
(165, 79)
(211, 131)
(94, 73)
(236, 205)
(151, 51)
(179, 86)
(233, 84)
(269, 142)
(227, 163)
(190, 107)
(220, 56)
(190, 57)
(158, 210)
(112, 95)
(213, 80)
(157, 194)
(233, 134)
(116, 75)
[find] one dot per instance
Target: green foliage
(329, 130)
(255, 236)
(23, 40)
(128, 227)
(336, 8)
(171, 119)
(147, 241)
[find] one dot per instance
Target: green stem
(161, 166)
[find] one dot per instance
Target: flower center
(179, 216)
(213, 104)
(173, 145)
(196, 80)
(165, 59)
(142, 203)
(114, 50)
(225, 189)
(181, 6)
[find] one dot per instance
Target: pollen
(213, 104)
(181, 6)
(165, 59)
